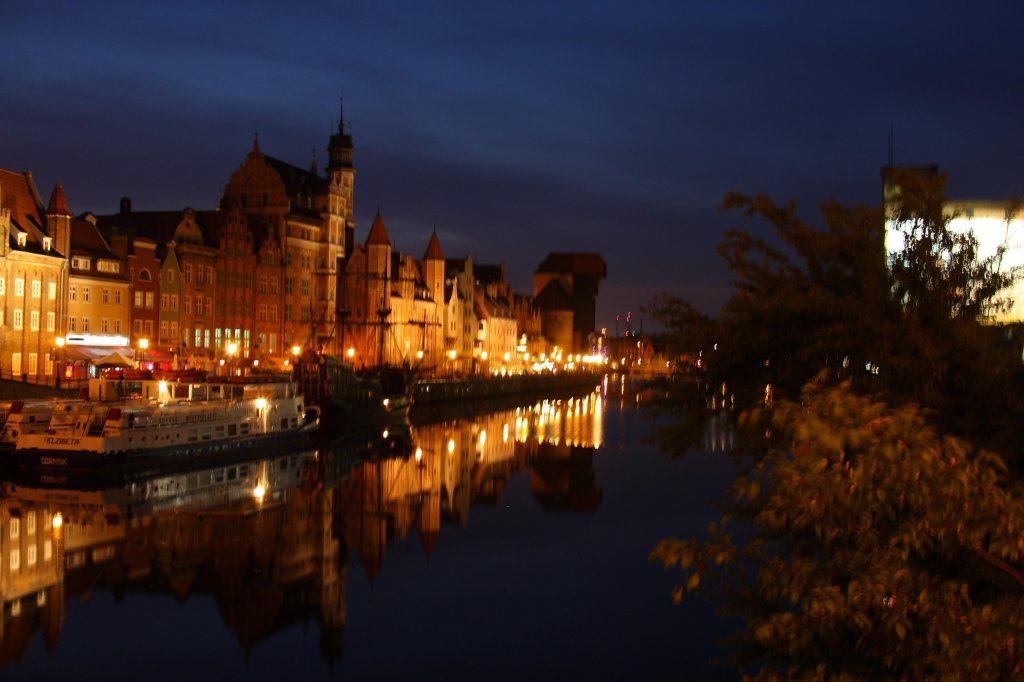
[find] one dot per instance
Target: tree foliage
(865, 545)
(909, 327)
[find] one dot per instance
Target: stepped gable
(301, 185)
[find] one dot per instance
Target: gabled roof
(87, 240)
(301, 184)
(575, 263)
(378, 233)
(18, 195)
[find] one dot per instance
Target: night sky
(521, 128)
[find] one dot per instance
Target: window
(273, 285)
(170, 276)
(30, 523)
(15, 528)
(72, 324)
(47, 550)
(33, 363)
(165, 301)
(149, 299)
(73, 292)
(117, 296)
(137, 327)
(105, 325)
(18, 319)
(263, 312)
(209, 305)
(273, 312)
(51, 291)
(188, 272)
(117, 325)
(188, 305)
(80, 263)
(15, 565)
(85, 325)
(47, 364)
(305, 287)
(263, 284)
(86, 294)
(144, 275)
(106, 296)
(288, 286)
(149, 327)
(19, 287)
(138, 299)
(108, 266)
(30, 556)
(15, 363)
(174, 301)
(37, 288)
(33, 320)
(163, 329)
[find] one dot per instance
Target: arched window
(144, 275)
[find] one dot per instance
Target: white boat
(22, 417)
(134, 415)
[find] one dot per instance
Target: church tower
(341, 176)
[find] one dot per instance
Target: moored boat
(137, 416)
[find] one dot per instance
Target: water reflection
(272, 540)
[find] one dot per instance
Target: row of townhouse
(273, 269)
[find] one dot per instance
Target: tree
(865, 545)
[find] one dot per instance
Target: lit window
(37, 288)
(18, 319)
(51, 291)
(19, 287)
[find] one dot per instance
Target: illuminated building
(993, 223)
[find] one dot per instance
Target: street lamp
(143, 345)
(232, 349)
(351, 352)
(60, 341)
(452, 354)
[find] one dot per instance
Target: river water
(509, 546)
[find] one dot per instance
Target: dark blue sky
(525, 127)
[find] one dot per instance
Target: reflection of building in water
(31, 577)
(269, 539)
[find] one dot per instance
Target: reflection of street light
(296, 350)
(60, 341)
(143, 345)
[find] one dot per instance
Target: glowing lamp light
(419, 355)
(483, 355)
(386, 401)
(232, 348)
(419, 454)
(259, 491)
(451, 445)
(58, 520)
(60, 341)
(261, 403)
(452, 354)
(296, 350)
(351, 352)
(385, 434)
(143, 344)
(508, 356)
